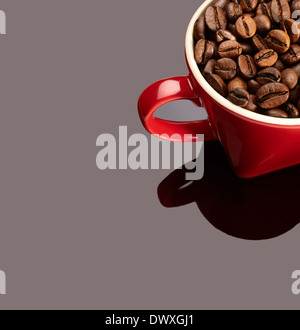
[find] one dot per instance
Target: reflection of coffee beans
(249, 52)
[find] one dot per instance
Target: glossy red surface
(253, 147)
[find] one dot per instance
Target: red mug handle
(168, 90)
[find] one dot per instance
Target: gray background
(72, 236)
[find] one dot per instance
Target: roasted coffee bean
(247, 67)
(222, 35)
(233, 12)
(225, 68)
(279, 65)
(289, 78)
(204, 51)
(199, 28)
(264, 9)
(278, 40)
(215, 47)
(217, 83)
(222, 3)
(296, 68)
(252, 104)
(268, 75)
(251, 14)
(245, 27)
(266, 57)
(230, 49)
(232, 29)
(280, 10)
(295, 5)
(253, 86)
(237, 82)
(248, 5)
(272, 95)
(294, 95)
(291, 110)
(263, 24)
(259, 43)
(292, 28)
(239, 97)
(276, 112)
(292, 56)
(246, 47)
(215, 18)
(209, 67)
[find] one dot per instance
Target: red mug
(254, 143)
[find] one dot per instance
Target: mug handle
(168, 90)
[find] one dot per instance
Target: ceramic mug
(254, 143)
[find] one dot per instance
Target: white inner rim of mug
(189, 47)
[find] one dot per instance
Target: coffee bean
(245, 27)
(233, 12)
(278, 40)
(268, 75)
(215, 18)
(199, 28)
(247, 67)
(232, 29)
(263, 24)
(222, 3)
(248, 5)
(272, 95)
(280, 10)
(266, 57)
(296, 68)
(237, 82)
(222, 35)
(230, 49)
(292, 28)
(276, 113)
(252, 104)
(279, 65)
(225, 68)
(253, 86)
(291, 110)
(264, 9)
(239, 97)
(294, 95)
(292, 56)
(259, 43)
(217, 83)
(295, 5)
(209, 67)
(246, 47)
(204, 51)
(289, 78)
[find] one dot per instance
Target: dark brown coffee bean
(233, 12)
(295, 5)
(263, 24)
(199, 28)
(222, 3)
(215, 18)
(237, 82)
(247, 67)
(239, 97)
(278, 40)
(264, 9)
(268, 75)
(245, 27)
(259, 43)
(289, 78)
(253, 86)
(294, 95)
(217, 83)
(280, 10)
(204, 51)
(248, 5)
(291, 110)
(230, 49)
(225, 68)
(266, 57)
(232, 29)
(296, 68)
(252, 104)
(292, 56)
(246, 47)
(276, 113)
(251, 14)
(209, 67)
(292, 28)
(272, 95)
(223, 35)
(215, 46)
(279, 65)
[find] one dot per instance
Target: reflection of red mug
(255, 144)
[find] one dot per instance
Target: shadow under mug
(255, 144)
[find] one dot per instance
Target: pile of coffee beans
(249, 52)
